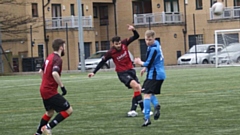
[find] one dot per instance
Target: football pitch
(195, 101)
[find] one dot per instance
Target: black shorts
(152, 86)
(127, 76)
(57, 103)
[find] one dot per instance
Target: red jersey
(121, 58)
(49, 86)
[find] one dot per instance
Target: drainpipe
(46, 39)
(185, 27)
(115, 16)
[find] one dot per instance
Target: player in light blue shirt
(154, 66)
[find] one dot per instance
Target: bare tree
(13, 23)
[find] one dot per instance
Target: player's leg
(46, 117)
(157, 90)
(44, 129)
(127, 79)
(147, 109)
(148, 91)
(60, 105)
(137, 97)
(136, 88)
(60, 117)
(157, 107)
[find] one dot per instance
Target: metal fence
(72, 21)
(158, 18)
(229, 12)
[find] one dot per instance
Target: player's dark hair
(116, 39)
(57, 43)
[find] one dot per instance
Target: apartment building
(179, 24)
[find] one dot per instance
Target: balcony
(158, 18)
(72, 21)
(229, 13)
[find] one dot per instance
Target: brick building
(103, 19)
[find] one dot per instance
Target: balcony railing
(158, 18)
(229, 12)
(72, 21)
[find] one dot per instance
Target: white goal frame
(217, 32)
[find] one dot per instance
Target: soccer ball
(217, 8)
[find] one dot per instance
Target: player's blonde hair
(150, 33)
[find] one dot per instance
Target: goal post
(227, 48)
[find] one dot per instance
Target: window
(105, 45)
(56, 15)
(103, 15)
(56, 10)
(195, 40)
(82, 10)
(236, 2)
(212, 2)
(95, 13)
(227, 39)
(199, 4)
(168, 7)
(171, 6)
(141, 7)
(34, 10)
(236, 8)
(97, 46)
(40, 51)
(72, 9)
(199, 39)
(87, 49)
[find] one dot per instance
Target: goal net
(228, 48)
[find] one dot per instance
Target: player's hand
(64, 91)
(130, 27)
(138, 61)
(90, 75)
(142, 71)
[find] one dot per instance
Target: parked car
(201, 52)
(230, 54)
(92, 61)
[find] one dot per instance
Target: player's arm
(56, 75)
(150, 59)
(100, 64)
(41, 70)
(143, 71)
(132, 38)
(57, 78)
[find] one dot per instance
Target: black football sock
(43, 122)
(60, 117)
(140, 101)
(134, 104)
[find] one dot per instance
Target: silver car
(92, 61)
(199, 54)
(230, 54)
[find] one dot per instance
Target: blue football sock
(154, 100)
(147, 108)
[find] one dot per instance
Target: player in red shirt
(52, 100)
(124, 68)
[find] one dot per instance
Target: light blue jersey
(155, 62)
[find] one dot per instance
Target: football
(217, 8)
